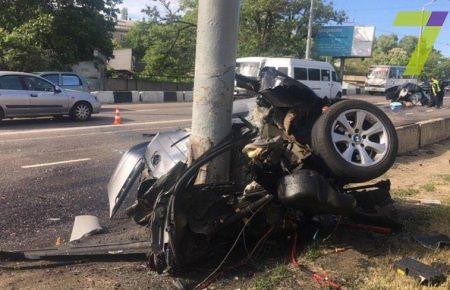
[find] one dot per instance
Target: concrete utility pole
(215, 62)
(310, 23)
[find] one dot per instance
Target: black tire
(338, 96)
(2, 114)
(332, 156)
(81, 111)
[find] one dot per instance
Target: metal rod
(215, 63)
(310, 23)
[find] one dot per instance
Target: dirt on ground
(354, 259)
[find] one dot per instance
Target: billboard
(345, 41)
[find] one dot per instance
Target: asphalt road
(34, 190)
(52, 170)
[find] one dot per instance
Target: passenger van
(383, 77)
(318, 75)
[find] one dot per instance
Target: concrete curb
(114, 97)
(415, 136)
(410, 137)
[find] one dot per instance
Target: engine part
(308, 191)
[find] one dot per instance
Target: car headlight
(156, 158)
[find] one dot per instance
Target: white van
(383, 77)
(318, 75)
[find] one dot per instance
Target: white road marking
(145, 110)
(93, 127)
(429, 110)
(85, 134)
(55, 163)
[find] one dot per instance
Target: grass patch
(273, 278)
(431, 218)
(313, 252)
(446, 177)
(429, 186)
(402, 192)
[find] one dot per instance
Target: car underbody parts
(105, 252)
(433, 241)
(292, 161)
(425, 274)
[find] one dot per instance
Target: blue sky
(379, 13)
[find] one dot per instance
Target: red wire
(320, 279)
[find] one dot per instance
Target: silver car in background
(67, 80)
(28, 95)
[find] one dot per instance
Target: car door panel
(44, 100)
(13, 98)
(325, 83)
(314, 81)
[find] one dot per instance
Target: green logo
(430, 23)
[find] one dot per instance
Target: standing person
(436, 92)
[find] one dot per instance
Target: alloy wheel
(359, 137)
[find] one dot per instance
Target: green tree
(279, 27)
(435, 64)
(165, 43)
(408, 43)
(385, 43)
(388, 50)
(52, 34)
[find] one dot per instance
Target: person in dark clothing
(436, 92)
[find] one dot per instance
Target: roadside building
(121, 29)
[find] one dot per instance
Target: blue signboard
(335, 41)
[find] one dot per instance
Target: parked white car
(320, 76)
(28, 95)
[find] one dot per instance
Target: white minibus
(318, 75)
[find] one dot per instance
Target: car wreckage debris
(293, 158)
(424, 274)
(105, 252)
(84, 225)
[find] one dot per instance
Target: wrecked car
(409, 93)
(294, 156)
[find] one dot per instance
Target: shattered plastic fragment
(84, 225)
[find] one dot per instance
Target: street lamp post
(421, 31)
(310, 23)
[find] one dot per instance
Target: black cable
(231, 249)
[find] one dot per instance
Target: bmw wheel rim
(360, 137)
